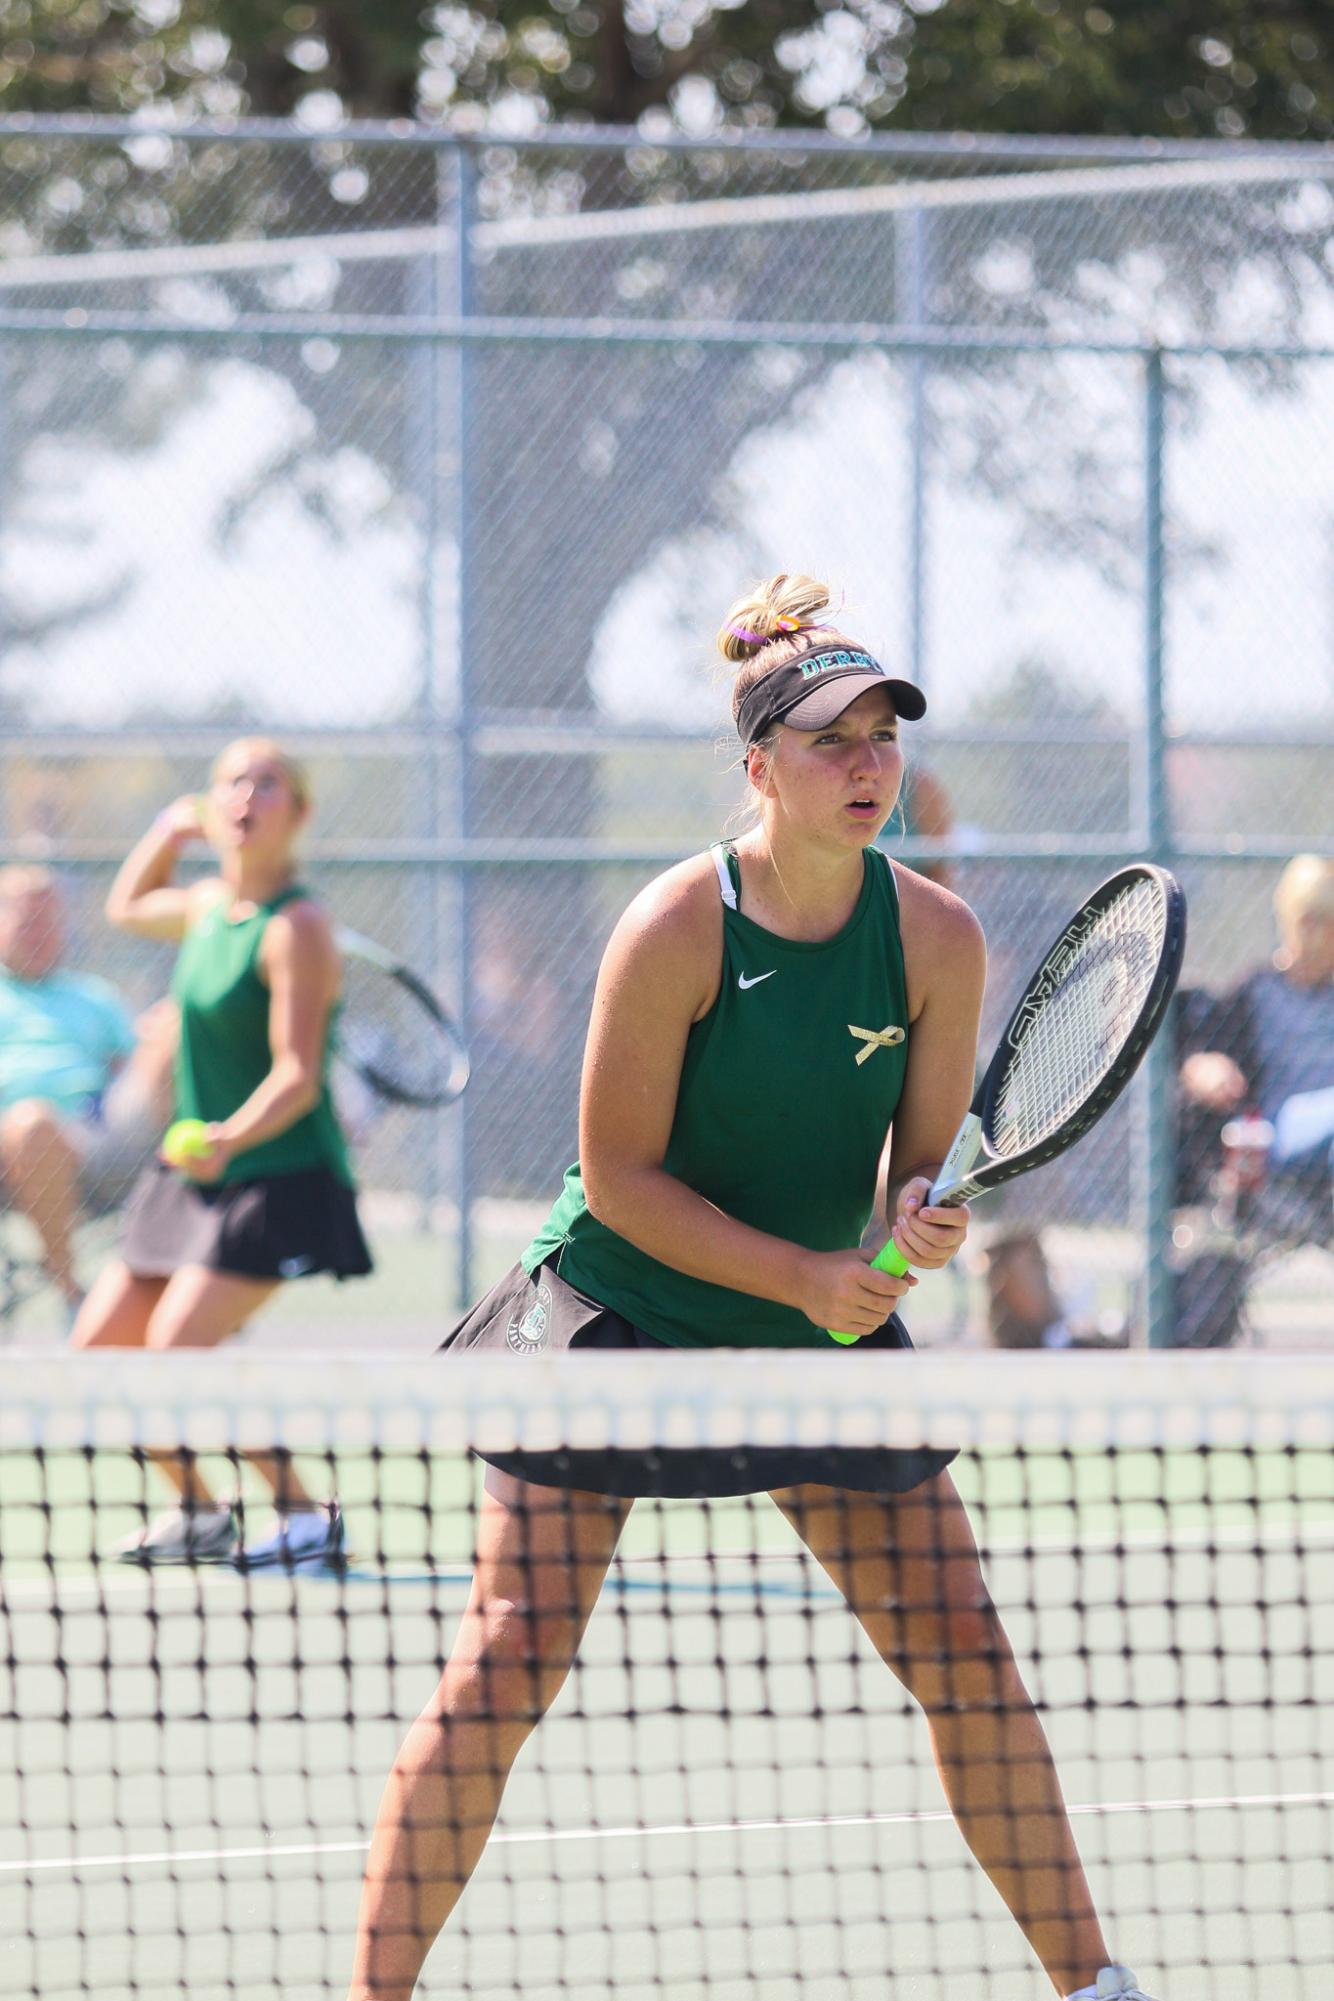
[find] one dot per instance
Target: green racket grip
(888, 1258)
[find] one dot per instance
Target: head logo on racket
(528, 1331)
(1074, 1041)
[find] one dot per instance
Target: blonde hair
(774, 622)
(1306, 884)
(292, 768)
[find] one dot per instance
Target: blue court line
(616, 1581)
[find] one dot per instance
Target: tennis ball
(187, 1140)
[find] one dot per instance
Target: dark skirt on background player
(543, 1314)
(278, 1226)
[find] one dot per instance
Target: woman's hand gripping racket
(1073, 1043)
(393, 1032)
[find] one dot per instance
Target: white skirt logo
(527, 1331)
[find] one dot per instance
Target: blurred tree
(1208, 68)
(563, 454)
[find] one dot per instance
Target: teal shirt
(61, 1040)
(788, 1088)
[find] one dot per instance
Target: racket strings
(390, 1038)
(1086, 1004)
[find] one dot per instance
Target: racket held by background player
(393, 1031)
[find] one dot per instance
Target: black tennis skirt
(523, 1315)
(280, 1226)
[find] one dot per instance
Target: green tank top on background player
(788, 1087)
(224, 1050)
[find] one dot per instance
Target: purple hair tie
(786, 628)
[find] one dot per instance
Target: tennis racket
(1073, 1043)
(393, 1032)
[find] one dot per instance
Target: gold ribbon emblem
(881, 1038)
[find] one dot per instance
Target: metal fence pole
(426, 283)
(1158, 1088)
(911, 310)
(465, 195)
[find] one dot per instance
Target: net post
(1154, 1151)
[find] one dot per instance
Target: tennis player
(272, 1196)
(765, 1013)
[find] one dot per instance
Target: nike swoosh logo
(743, 982)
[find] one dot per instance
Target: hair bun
(778, 609)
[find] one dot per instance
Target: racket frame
(355, 945)
(961, 1176)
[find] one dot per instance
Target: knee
(515, 1667)
(166, 1330)
(961, 1658)
(87, 1331)
(974, 1633)
(104, 1322)
(29, 1131)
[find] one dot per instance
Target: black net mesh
(734, 1791)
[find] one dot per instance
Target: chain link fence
(440, 458)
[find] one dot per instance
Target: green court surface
(412, 1298)
(732, 1799)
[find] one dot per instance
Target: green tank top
(788, 1087)
(224, 1047)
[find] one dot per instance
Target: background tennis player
(270, 1197)
(764, 1013)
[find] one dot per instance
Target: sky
(225, 582)
(1248, 499)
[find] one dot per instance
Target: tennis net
(733, 1794)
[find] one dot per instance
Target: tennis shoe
(297, 1539)
(183, 1535)
(1114, 1983)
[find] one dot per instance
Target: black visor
(808, 693)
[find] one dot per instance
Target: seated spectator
(82, 1095)
(1267, 1046)
(1270, 1041)
(1024, 1309)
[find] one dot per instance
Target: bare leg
(542, 1555)
(198, 1309)
(116, 1314)
(908, 1566)
(117, 1310)
(41, 1171)
(193, 1308)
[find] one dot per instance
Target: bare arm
(658, 976)
(143, 898)
(300, 963)
(946, 958)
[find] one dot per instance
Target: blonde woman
(1273, 1034)
(272, 1197)
(763, 1013)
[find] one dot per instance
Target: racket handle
(888, 1258)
